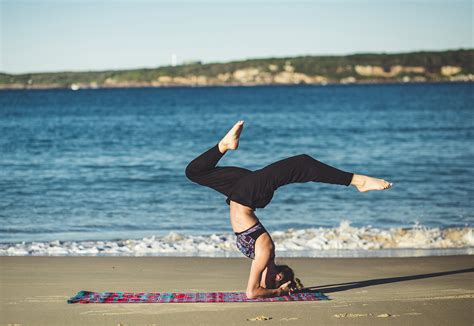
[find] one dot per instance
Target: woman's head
(285, 274)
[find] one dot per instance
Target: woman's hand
(285, 288)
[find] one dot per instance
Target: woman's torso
(250, 232)
(241, 217)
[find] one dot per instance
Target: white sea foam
(344, 240)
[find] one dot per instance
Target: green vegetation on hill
(364, 67)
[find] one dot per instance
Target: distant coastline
(413, 67)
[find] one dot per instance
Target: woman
(248, 190)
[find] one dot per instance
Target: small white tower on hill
(174, 60)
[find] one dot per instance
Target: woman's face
(271, 277)
(275, 280)
(278, 277)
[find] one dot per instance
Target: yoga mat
(173, 297)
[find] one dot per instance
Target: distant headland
(452, 65)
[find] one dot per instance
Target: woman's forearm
(262, 292)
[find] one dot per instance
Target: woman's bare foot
(364, 183)
(231, 139)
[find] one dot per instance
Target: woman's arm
(254, 290)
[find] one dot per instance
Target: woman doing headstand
(248, 190)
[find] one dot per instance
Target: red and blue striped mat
(173, 297)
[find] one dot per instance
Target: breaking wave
(344, 240)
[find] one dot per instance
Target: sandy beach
(386, 291)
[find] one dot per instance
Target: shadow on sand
(330, 288)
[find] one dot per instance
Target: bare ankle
(222, 147)
(358, 180)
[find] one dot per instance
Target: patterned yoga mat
(172, 297)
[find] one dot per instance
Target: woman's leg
(257, 188)
(299, 169)
(203, 169)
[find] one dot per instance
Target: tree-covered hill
(453, 65)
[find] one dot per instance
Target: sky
(82, 35)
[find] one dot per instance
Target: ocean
(101, 171)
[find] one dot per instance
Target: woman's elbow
(250, 294)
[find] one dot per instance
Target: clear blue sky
(60, 35)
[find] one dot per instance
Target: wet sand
(382, 291)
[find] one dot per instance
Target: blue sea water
(109, 163)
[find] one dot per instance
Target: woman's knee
(305, 158)
(191, 172)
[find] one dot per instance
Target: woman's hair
(288, 275)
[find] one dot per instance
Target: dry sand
(381, 291)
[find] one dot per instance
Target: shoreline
(359, 83)
(361, 291)
(344, 253)
(342, 241)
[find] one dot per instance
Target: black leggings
(255, 188)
